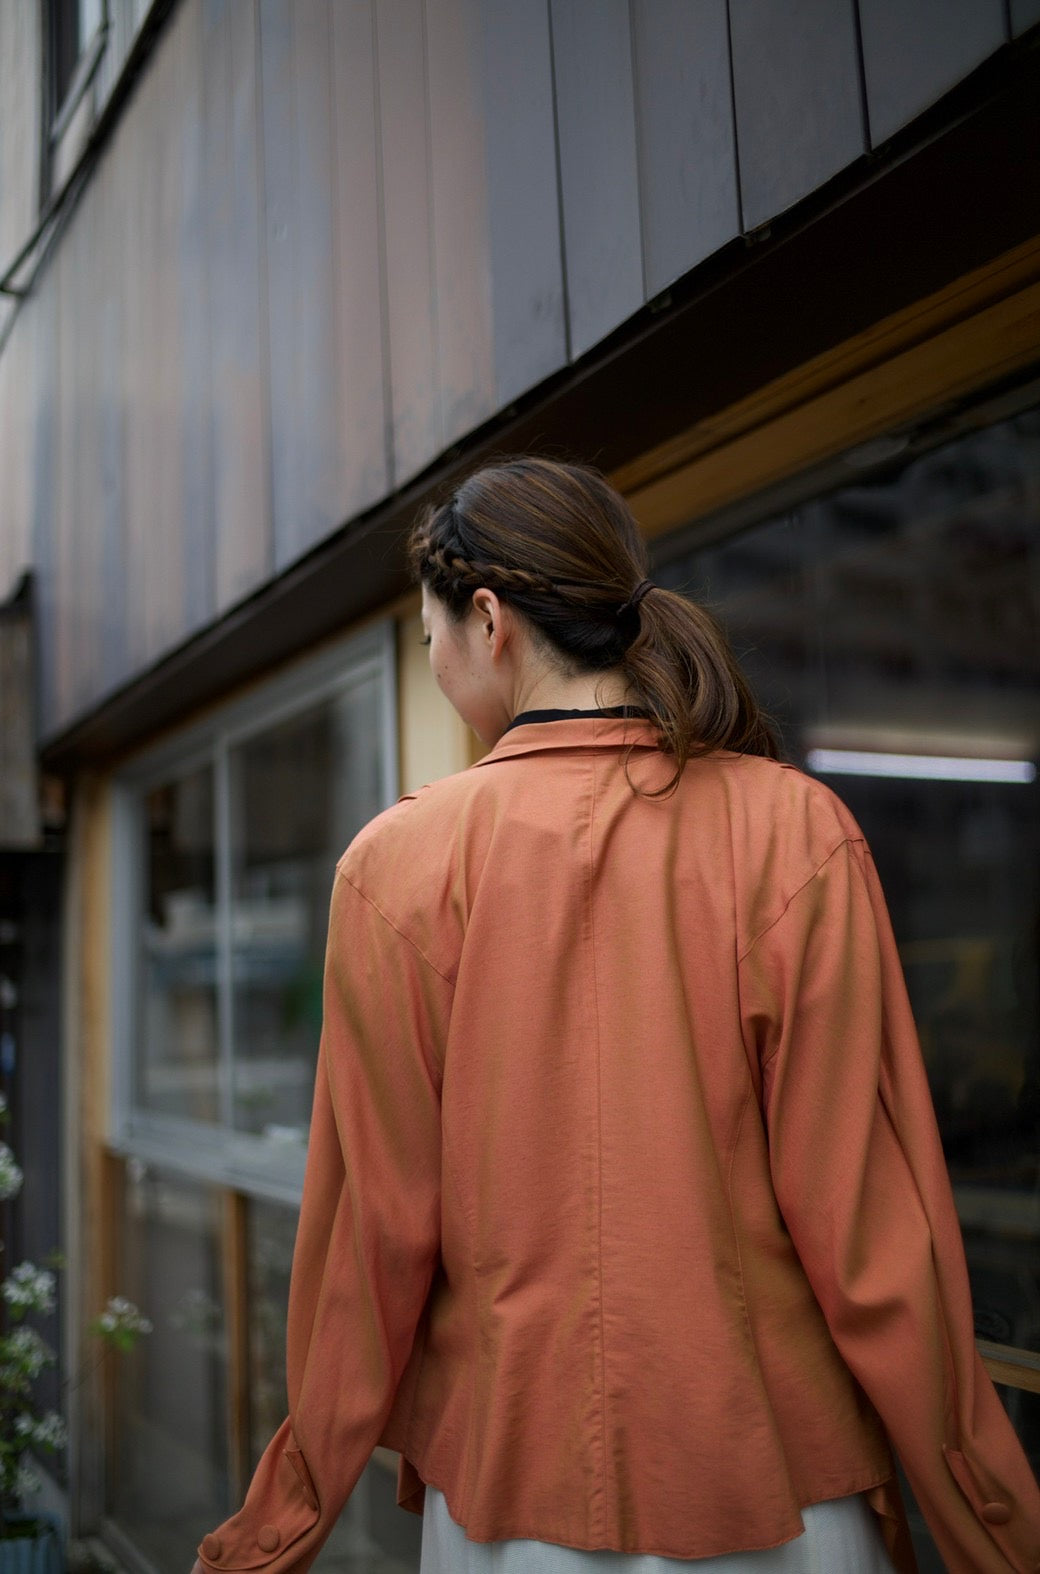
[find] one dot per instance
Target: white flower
(29, 1289)
(26, 1481)
(10, 1174)
(24, 1353)
(47, 1431)
(122, 1316)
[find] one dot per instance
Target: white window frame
(218, 1154)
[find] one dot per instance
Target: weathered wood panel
(19, 810)
(40, 330)
(111, 455)
(525, 260)
(458, 186)
(19, 130)
(360, 299)
(163, 528)
(243, 548)
(1024, 14)
(297, 149)
(192, 429)
(797, 95)
(684, 123)
(912, 54)
(407, 217)
(595, 117)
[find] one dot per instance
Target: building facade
(277, 273)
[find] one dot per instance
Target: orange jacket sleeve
(859, 1174)
(367, 1240)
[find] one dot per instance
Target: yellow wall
(432, 740)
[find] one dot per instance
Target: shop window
(177, 1052)
(170, 1482)
(227, 851)
(892, 629)
(372, 1532)
(226, 842)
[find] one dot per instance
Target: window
(226, 841)
(73, 27)
(892, 629)
(228, 844)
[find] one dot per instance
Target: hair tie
(636, 597)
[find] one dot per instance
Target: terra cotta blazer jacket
(626, 1219)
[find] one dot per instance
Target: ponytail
(685, 676)
(560, 545)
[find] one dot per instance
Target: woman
(625, 1221)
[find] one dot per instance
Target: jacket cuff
(282, 1506)
(997, 1508)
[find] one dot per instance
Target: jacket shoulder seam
(342, 874)
(846, 841)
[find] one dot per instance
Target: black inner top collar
(569, 715)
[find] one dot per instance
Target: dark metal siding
(599, 180)
(912, 54)
(796, 85)
(327, 241)
(684, 124)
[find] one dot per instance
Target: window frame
(219, 1154)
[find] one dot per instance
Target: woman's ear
(493, 617)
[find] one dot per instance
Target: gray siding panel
(595, 113)
(320, 501)
(797, 95)
(1024, 14)
(458, 185)
(111, 460)
(243, 546)
(191, 245)
(526, 264)
(404, 141)
(281, 222)
(359, 286)
(297, 151)
(687, 150)
(912, 54)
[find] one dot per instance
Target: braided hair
(560, 545)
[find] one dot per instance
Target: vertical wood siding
(912, 54)
(328, 238)
(595, 116)
(404, 123)
(1024, 14)
(525, 256)
(796, 87)
(236, 288)
(685, 132)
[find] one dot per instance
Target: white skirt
(842, 1537)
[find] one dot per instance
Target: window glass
(893, 630)
(170, 1483)
(299, 791)
(373, 1533)
(177, 1042)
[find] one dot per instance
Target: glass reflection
(177, 1045)
(170, 1483)
(299, 793)
(373, 1536)
(902, 616)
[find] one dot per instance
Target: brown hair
(561, 546)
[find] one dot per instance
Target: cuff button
(996, 1513)
(268, 1537)
(211, 1548)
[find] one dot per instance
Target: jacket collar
(577, 732)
